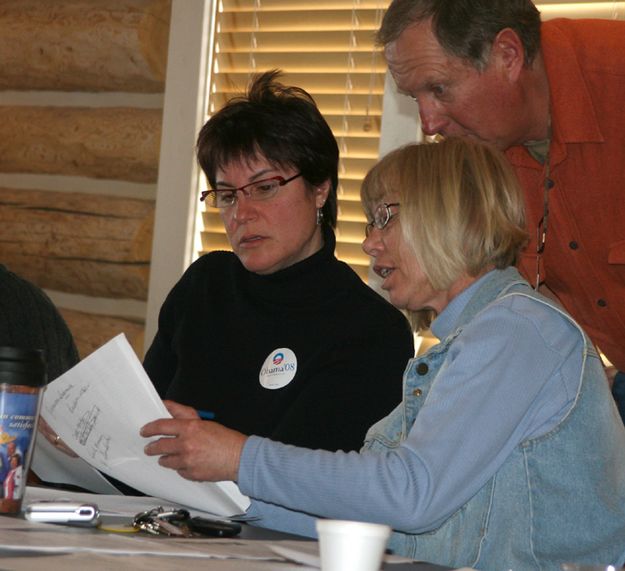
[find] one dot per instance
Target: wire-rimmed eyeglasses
(257, 190)
(382, 215)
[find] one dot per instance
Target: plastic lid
(20, 366)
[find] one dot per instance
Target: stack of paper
(98, 408)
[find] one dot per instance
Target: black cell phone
(213, 527)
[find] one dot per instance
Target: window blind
(593, 9)
(327, 48)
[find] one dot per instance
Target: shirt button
(602, 303)
(573, 245)
(549, 183)
(417, 392)
(422, 369)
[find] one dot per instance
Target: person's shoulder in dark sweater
(215, 265)
(29, 319)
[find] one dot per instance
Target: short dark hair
(466, 28)
(281, 124)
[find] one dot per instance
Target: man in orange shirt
(549, 95)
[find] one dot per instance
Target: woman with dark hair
(278, 338)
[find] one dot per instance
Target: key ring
(162, 521)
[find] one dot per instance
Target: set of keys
(164, 521)
(177, 522)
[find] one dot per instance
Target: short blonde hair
(462, 208)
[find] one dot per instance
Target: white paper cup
(351, 545)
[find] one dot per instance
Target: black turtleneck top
(308, 355)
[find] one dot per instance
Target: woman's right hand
(199, 450)
(53, 438)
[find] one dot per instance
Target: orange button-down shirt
(584, 258)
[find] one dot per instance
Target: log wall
(78, 243)
(113, 143)
(89, 330)
(89, 244)
(84, 45)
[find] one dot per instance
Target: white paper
(98, 408)
(307, 553)
(55, 467)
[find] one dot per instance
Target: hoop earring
(319, 216)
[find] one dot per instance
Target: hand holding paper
(98, 408)
(199, 450)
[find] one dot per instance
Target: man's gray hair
(466, 28)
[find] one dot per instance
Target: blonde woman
(488, 462)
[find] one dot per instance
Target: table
(25, 560)
(27, 546)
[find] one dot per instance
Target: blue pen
(205, 414)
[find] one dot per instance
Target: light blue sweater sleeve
(511, 374)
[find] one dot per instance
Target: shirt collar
(573, 112)
(447, 319)
(574, 119)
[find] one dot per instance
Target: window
(570, 9)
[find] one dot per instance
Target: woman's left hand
(53, 438)
(197, 449)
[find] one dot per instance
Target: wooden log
(115, 143)
(84, 45)
(91, 331)
(78, 243)
(101, 279)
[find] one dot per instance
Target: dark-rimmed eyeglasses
(382, 215)
(257, 190)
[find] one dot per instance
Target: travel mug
(22, 377)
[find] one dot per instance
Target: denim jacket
(558, 497)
